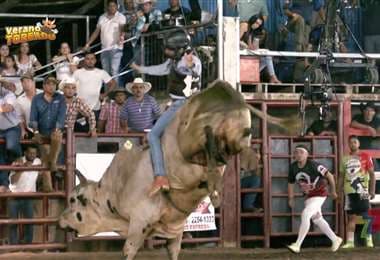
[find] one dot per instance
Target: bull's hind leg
(135, 238)
(174, 247)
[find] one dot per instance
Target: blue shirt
(140, 115)
(46, 116)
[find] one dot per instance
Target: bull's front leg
(174, 247)
(137, 233)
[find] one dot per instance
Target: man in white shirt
(90, 80)
(110, 27)
(23, 182)
(24, 103)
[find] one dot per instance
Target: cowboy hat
(113, 93)
(147, 85)
(69, 80)
(141, 2)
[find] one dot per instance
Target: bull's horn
(81, 177)
(290, 124)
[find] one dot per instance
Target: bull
(209, 129)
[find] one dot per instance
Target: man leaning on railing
(24, 181)
(47, 118)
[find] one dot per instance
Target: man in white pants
(312, 179)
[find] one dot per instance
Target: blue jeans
(12, 150)
(111, 60)
(25, 208)
(267, 62)
(250, 182)
(154, 137)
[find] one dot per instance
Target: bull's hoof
(216, 199)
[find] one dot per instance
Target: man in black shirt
(312, 179)
(367, 120)
(176, 10)
(326, 126)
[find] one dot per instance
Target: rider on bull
(184, 70)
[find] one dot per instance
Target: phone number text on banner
(203, 218)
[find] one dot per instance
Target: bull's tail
(290, 124)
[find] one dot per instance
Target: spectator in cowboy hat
(109, 118)
(76, 105)
(140, 110)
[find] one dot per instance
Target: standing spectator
(175, 10)
(26, 62)
(109, 119)
(325, 126)
(90, 81)
(312, 179)
(256, 33)
(10, 131)
(297, 25)
(149, 19)
(67, 63)
(11, 72)
(141, 110)
(24, 103)
(130, 13)
(47, 119)
(129, 10)
(76, 105)
(23, 182)
(371, 30)
(368, 121)
(248, 8)
(318, 16)
(250, 174)
(230, 8)
(4, 52)
(357, 180)
(111, 29)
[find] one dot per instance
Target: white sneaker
(336, 244)
(294, 248)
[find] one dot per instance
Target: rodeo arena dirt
(189, 129)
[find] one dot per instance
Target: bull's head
(81, 214)
(217, 119)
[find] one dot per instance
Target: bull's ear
(81, 177)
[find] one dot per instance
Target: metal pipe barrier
(80, 59)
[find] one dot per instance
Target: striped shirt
(111, 114)
(140, 115)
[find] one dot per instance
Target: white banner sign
(203, 218)
(93, 165)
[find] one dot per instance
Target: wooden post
(231, 52)
(229, 224)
